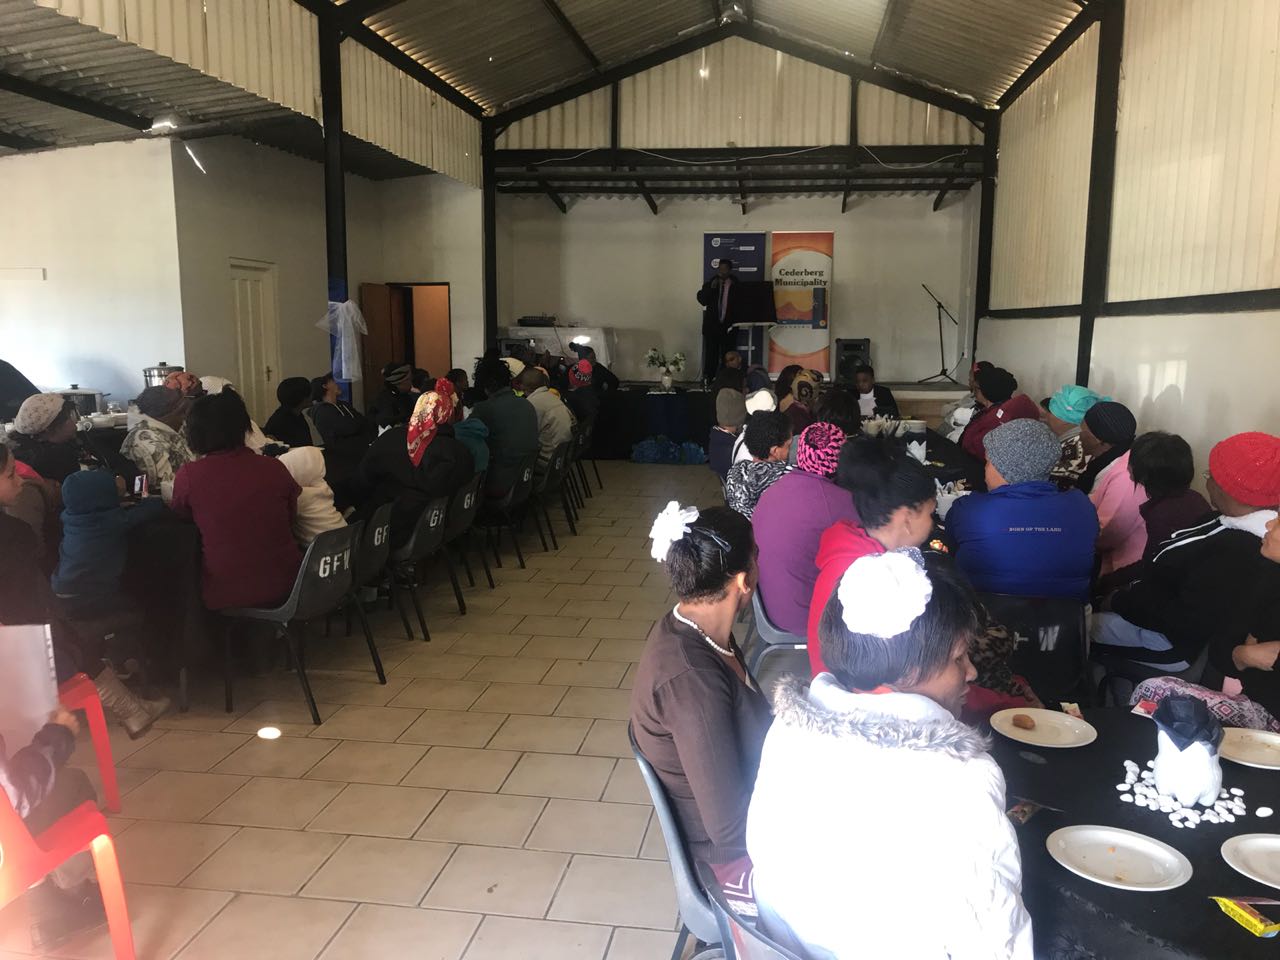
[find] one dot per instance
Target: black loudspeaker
(851, 353)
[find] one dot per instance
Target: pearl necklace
(723, 651)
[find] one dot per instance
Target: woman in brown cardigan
(696, 713)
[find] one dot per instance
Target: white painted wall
(432, 230)
(610, 262)
(1202, 376)
(1040, 352)
(256, 203)
(99, 222)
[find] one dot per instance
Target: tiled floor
(481, 805)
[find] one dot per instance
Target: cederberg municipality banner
(801, 273)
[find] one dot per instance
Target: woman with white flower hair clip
(696, 714)
(897, 787)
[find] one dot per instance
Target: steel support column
(489, 216)
(986, 223)
(1102, 181)
(335, 192)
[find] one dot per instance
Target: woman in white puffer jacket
(877, 826)
(316, 512)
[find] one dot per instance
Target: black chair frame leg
(569, 512)
(453, 579)
(417, 608)
(398, 600)
(547, 516)
(488, 574)
(226, 667)
(515, 540)
(297, 640)
(596, 467)
(537, 522)
(466, 562)
(494, 535)
(368, 638)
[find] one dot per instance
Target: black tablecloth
(947, 462)
(1076, 918)
(631, 414)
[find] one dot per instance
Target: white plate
(1119, 858)
(1053, 729)
(1256, 855)
(1253, 748)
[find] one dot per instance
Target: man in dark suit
(718, 297)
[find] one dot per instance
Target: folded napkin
(916, 449)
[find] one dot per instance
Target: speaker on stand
(851, 353)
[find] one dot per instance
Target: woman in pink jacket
(1122, 531)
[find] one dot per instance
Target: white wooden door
(253, 285)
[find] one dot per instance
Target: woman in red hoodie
(895, 499)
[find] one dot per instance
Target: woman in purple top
(790, 519)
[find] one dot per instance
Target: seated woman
(45, 436)
(789, 521)
(997, 405)
(1106, 434)
(1064, 413)
(871, 749)
(344, 432)
(1122, 532)
(316, 512)
(410, 465)
(254, 438)
(155, 443)
(796, 399)
(768, 440)
(289, 424)
(695, 713)
(243, 504)
(731, 414)
(1024, 537)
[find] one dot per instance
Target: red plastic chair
(27, 859)
(79, 693)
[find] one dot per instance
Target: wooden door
(383, 309)
(256, 321)
(432, 339)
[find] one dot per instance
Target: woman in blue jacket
(1024, 537)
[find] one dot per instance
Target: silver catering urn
(154, 376)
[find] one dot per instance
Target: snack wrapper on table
(948, 493)
(1243, 910)
(1187, 765)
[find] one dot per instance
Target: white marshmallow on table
(1236, 792)
(1122, 787)
(1127, 797)
(1262, 812)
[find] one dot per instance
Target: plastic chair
(323, 582)
(739, 939)
(28, 859)
(552, 481)
(426, 539)
(1119, 669)
(79, 693)
(367, 565)
(1052, 643)
(697, 919)
(791, 652)
(508, 512)
(459, 521)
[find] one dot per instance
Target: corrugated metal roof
(975, 47)
(850, 26)
(493, 52)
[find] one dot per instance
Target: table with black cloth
(1076, 918)
(635, 412)
(947, 462)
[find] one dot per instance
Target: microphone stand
(942, 374)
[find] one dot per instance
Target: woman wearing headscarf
(410, 465)
(797, 402)
(1064, 413)
(186, 383)
(45, 437)
(789, 520)
(1106, 434)
(997, 405)
(155, 443)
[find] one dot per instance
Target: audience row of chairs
(340, 564)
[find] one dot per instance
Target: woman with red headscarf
(412, 464)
